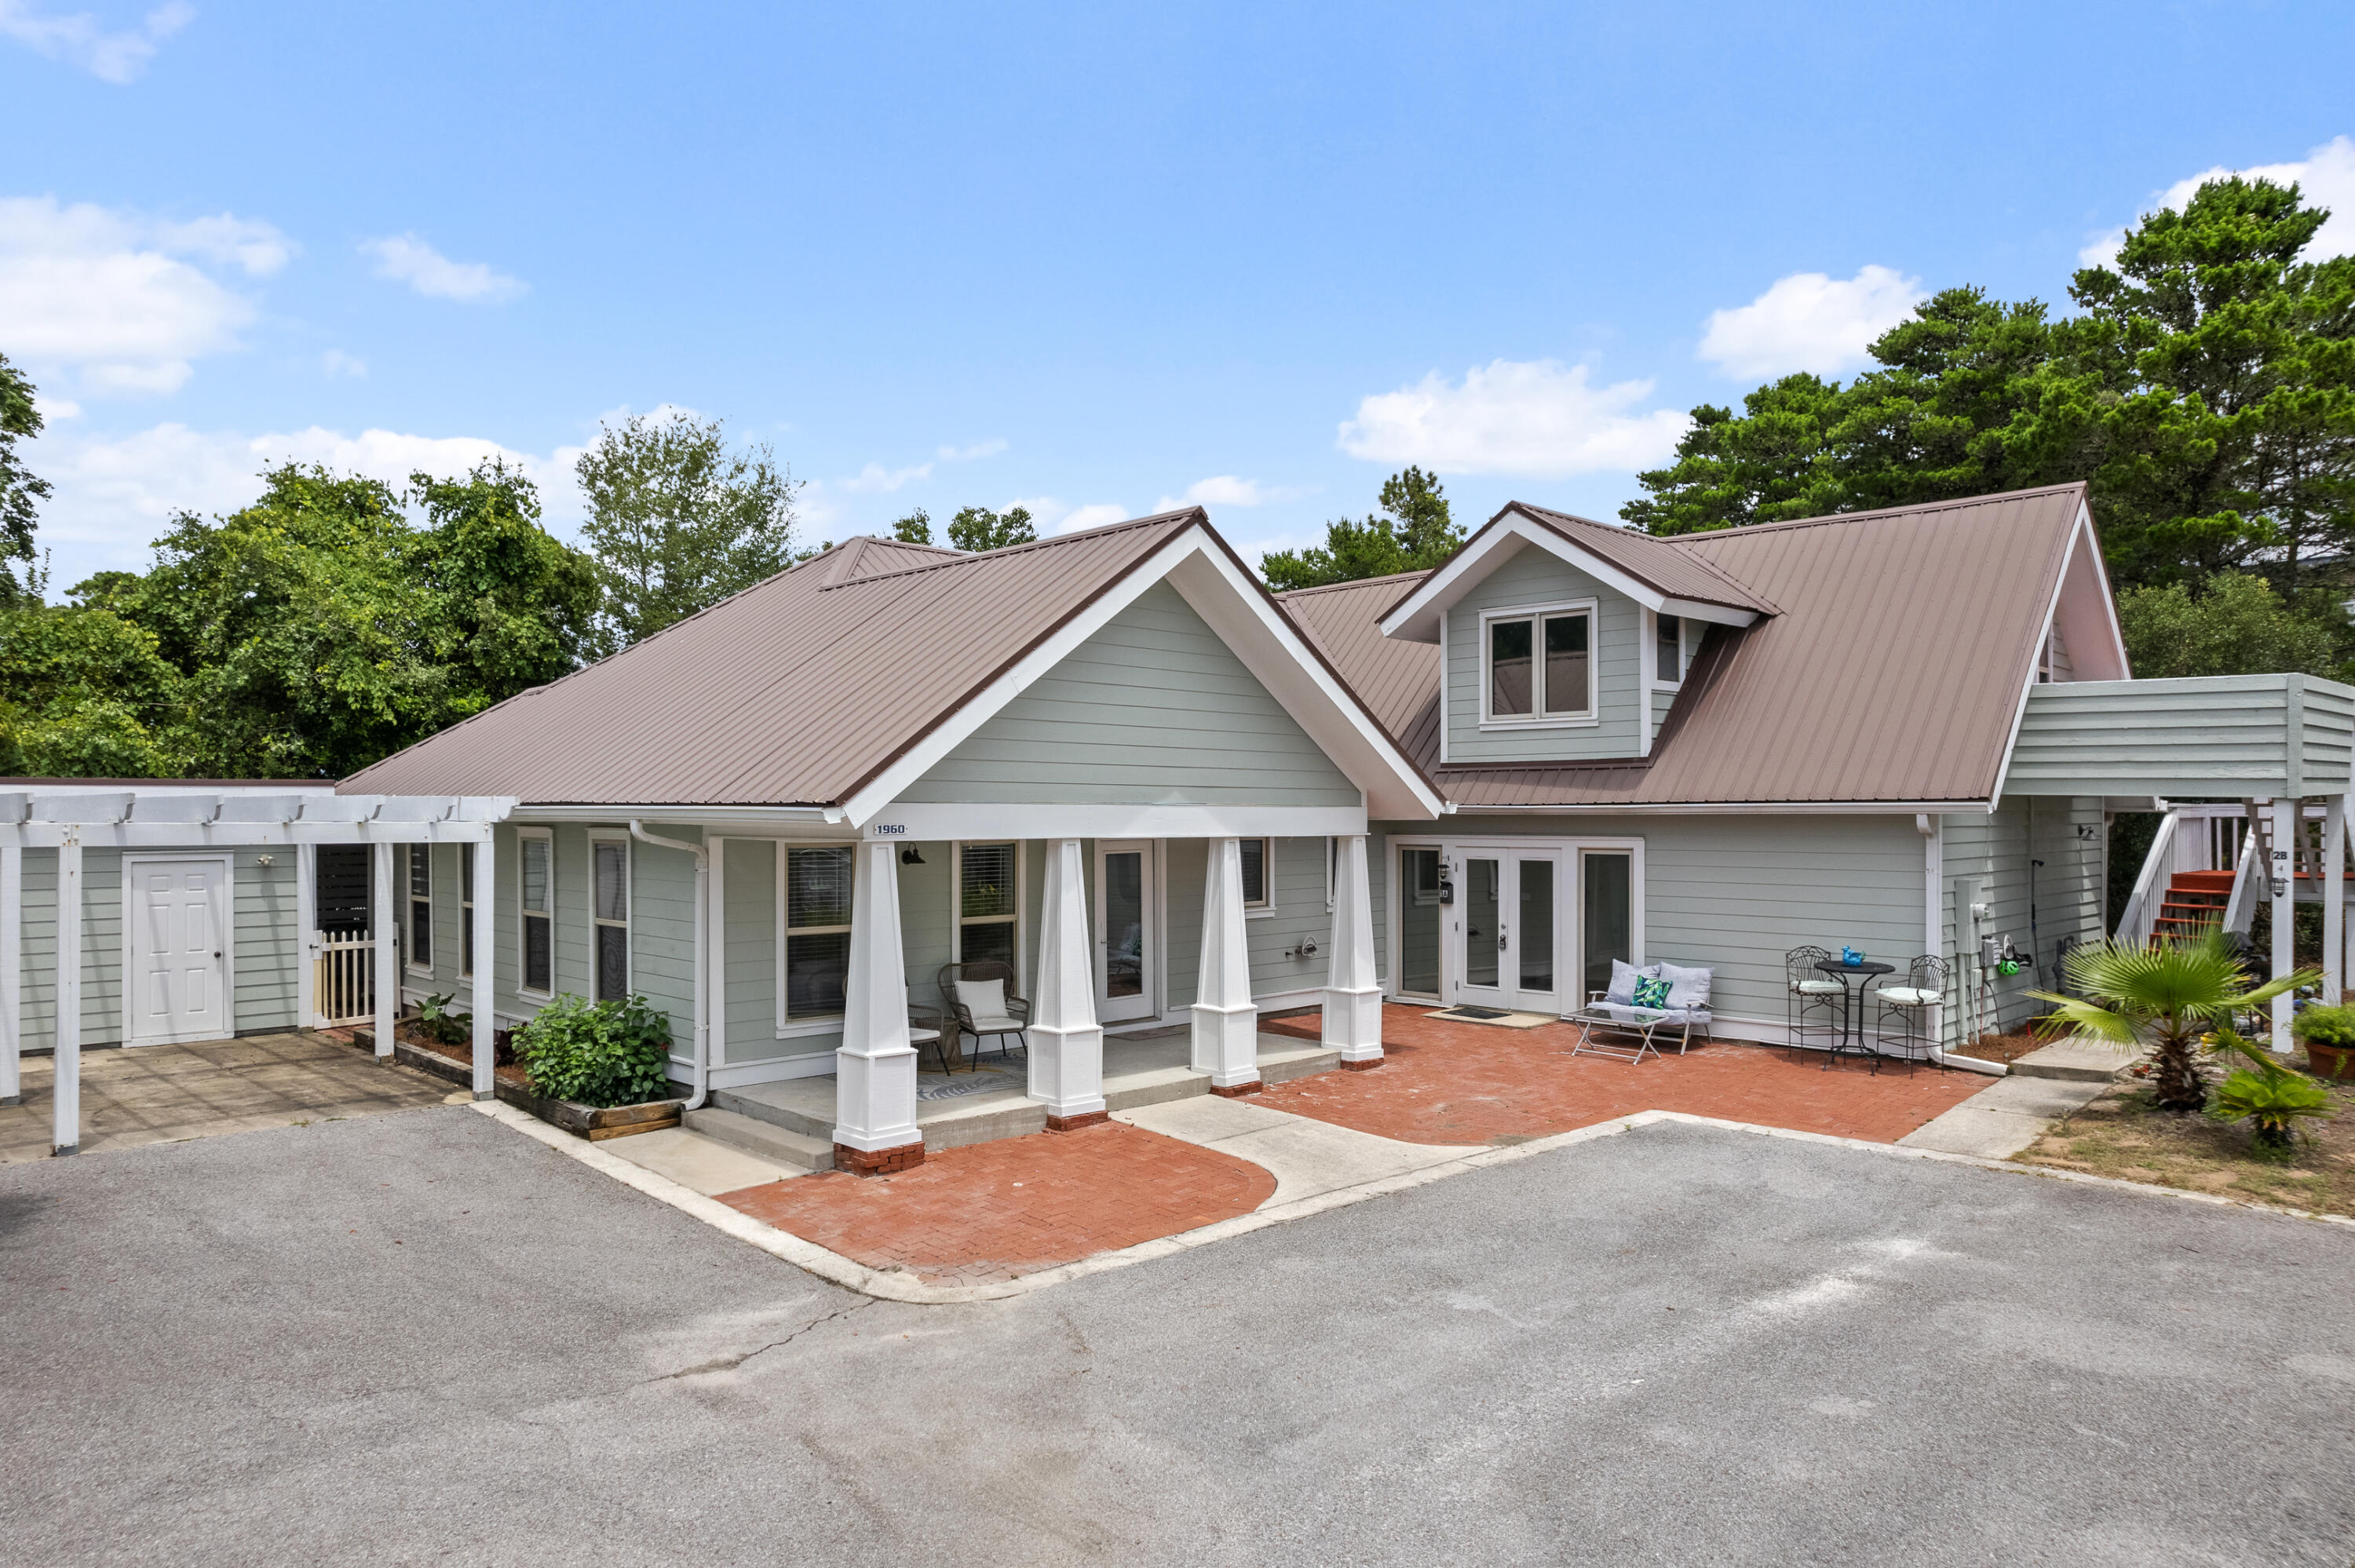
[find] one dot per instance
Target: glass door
(1421, 880)
(1507, 930)
(1127, 946)
(1607, 931)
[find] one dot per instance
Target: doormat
(1498, 1016)
(956, 1086)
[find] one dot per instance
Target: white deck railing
(2213, 837)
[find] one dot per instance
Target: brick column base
(1361, 1067)
(1073, 1123)
(1237, 1091)
(878, 1161)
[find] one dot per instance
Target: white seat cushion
(982, 999)
(1908, 996)
(999, 1023)
(1818, 988)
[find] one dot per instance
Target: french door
(1507, 930)
(1128, 945)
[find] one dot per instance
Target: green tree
(512, 606)
(977, 528)
(1413, 533)
(677, 522)
(2161, 998)
(84, 695)
(19, 488)
(1769, 463)
(2235, 625)
(915, 528)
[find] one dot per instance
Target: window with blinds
(817, 957)
(535, 894)
(421, 906)
(610, 872)
(988, 906)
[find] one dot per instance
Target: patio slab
(162, 1094)
(2004, 1118)
(1305, 1156)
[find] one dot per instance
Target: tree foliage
(1413, 532)
(19, 488)
(85, 694)
(677, 522)
(2235, 625)
(915, 528)
(978, 528)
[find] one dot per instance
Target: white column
(2287, 821)
(486, 991)
(66, 1124)
(2334, 900)
(1066, 1043)
(1226, 1023)
(875, 1069)
(387, 924)
(12, 972)
(1353, 998)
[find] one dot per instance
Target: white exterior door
(175, 915)
(1128, 946)
(1506, 928)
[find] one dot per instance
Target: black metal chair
(1815, 1004)
(969, 1014)
(1914, 1008)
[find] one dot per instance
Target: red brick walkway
(993, 1210)
(1443, 1082)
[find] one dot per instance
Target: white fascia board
(931, 822)
(2084, 596)
(1416, 618)
(1732, 808)
(2080, 532)
(1276, 654)
(1271, 647)
(228, 835)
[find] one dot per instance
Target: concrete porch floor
(163, 1094)
(792, 1121)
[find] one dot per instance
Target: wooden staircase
(2195, 900)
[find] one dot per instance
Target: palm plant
(2268, 1096)
(2163, 998)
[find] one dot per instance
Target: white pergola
(168, 817)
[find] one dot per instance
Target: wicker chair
(1813, 1001)
(959, 1005)
(1913, 1008)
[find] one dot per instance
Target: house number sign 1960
(886, 829)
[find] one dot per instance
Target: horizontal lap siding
(662, 930)
(1534, 577)
(750, 1010)
(2214, 737)
(1184, 864)
(1298, 915)
(270, 946)
(2067, 892)
(2329, 739)
(1152, 709)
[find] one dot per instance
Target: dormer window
(1669, 653)
(1537, 665)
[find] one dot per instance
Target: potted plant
(2328, 1036)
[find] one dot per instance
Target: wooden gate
(345, 987)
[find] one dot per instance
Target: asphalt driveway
(423, 1335)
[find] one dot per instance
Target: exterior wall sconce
(910, 857)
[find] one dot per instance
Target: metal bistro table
(1852, 1007)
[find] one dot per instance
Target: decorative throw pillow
(1686, 988)
(982, 999)
(1652, 992)
(1624, 977)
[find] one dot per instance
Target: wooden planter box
(595, 1123)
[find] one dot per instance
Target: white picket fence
(344, 984)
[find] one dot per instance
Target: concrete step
(770, 1109)
(2076, 1062)
(764, 1139)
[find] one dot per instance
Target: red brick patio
(1443, 1082)
(994, 1210)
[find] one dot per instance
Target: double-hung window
(815, 934)
(989, 911)
(535, 894)
(1538, 666)
(467, 910)
(421, 906)
(610, 913)
(1258, 862)
(1669, 660)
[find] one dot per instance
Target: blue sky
(1095, 260)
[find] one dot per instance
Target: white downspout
(702, 1052)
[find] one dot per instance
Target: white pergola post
(2334, 900)
(1066, 1042)
(66, 1108)
(2288, 818)
(875, 1069)
(1226, 1023)
(487, 925)
(386, 953)
(12, 972)
(1353, 998)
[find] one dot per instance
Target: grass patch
(2126, 1135)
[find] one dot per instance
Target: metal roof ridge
(1352, 583)
(1553, 519)
(968, 557)
(1743, 530)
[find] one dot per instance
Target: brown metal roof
(1664, 566)
(1891, 670)
(795, 692)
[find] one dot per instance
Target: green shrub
(438, 1024)
(2320, 1026)
(597, 1053)
(2272, 1097)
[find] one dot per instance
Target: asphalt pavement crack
(729, 1363)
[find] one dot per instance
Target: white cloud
(119, 57)
(114, 494)
(1809, 322)
(112, 296)
(1226, 490)
(1536, 417)
(968, 454)
(408, 259)
(875, 477)
(1053, 514)
(336, 362)
(2325, 178)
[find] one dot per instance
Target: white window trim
(1570, 895)
(409, 901)
(789, 1026)
(1021, 903)
(1684, 650)
(549, 838)
(1592, 715)
(1266, 905)
(629, 911)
